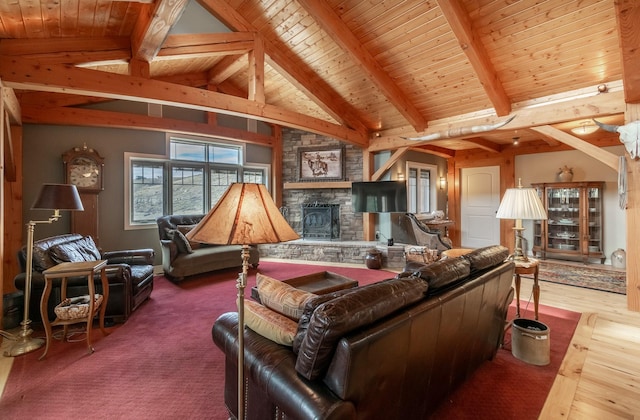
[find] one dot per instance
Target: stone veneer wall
(292, 200)
(350, 247)
(333, 251)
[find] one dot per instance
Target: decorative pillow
(337, 317)
(443, 274)
(309, 307)
(281, 297)
(83, 249)
(269, 324)
(182, 243)
(486, 257)
(184, 229)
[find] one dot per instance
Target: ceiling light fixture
(516, 140)
(585, 127)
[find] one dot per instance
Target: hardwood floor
(600, 375)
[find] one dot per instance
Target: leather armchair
(129, 273)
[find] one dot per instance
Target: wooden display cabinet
(573, 229)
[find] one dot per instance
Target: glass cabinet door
(563, 219)
(594, 220)
(539, 232)
(573, 229)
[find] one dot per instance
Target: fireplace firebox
(321, 221)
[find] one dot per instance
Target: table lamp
(245, 215)
(54, 197)
(521, 204)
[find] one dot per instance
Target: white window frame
(131, 156)
(433, 191)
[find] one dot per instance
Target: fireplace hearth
(321, 221)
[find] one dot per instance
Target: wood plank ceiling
(366, 72)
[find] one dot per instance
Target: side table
(75, 269)
(527, 267)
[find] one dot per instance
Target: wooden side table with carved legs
(527, 267)
(75, 269)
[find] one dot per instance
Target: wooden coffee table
(319, 283)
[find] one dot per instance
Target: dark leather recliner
(129, 272)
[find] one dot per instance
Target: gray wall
(42, 163)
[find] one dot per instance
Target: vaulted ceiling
(371, 73)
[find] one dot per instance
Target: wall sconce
(400, 176)
(443, 182)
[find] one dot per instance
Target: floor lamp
(245, 215)
(54, 197)
(521, 204)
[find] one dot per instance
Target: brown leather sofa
(129, 272)
(180, 260)
(401, 345)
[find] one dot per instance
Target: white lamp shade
(521, 203)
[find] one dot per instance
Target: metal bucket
(530, 341)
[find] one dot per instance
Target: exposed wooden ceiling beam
(99, 118)
(330, 21)
(547, 139)
(484, 144)
(256, 72)
(153, 26)
(195, 79)
(10, 167)
(68, 50)
(470, 43)
(51, 99)
(227, 67)
(31, 75)
(436, 150)
(185, 46)
(297, 73)
(595, 152)
(397, 154)
(628, 16)
(10, 104)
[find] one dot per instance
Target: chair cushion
(270, 324)
(342, 315)
(182, 243)
(282, 297)
(184, 229)
(83, 249)
(486, 257)
(41, 256)
(444, 274)
(309, 307)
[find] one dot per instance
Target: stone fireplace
(320, 221)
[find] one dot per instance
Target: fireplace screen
(321, 221)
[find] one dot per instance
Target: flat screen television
(379, 197)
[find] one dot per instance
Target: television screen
(379, 197)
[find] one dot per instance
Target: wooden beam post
(633, 220)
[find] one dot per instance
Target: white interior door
(479, 202)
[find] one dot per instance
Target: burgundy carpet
(163, 364)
